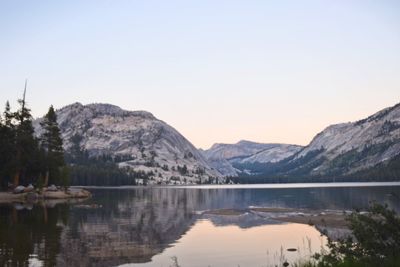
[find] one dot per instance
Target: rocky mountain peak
(340, 149)
(224, 157)
(102, 109)
(148, 144)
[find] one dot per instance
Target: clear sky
(217, 71)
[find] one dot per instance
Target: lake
(161, 226)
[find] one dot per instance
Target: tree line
(100, 170)
(26, 158)
(41, 160)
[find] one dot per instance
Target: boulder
(19, 189)
(29, 188)
(83, 194)
(52, 188)
(78, 193)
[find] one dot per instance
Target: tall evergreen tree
(52, 144)
(25, 143)
(8, 116)
(7, 147)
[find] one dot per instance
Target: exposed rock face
(347, 149)
(223, 156)
(147, 144)
(366, 149)
(274, 153)
(350, 147)
(343, 150)
(337, 139)
(239, 150)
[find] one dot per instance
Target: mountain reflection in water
(149, 225)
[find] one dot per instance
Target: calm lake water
(151, 226)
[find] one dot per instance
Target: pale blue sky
(218, 71)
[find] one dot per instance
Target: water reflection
(119, 226)
(207, 245)
(31, 231)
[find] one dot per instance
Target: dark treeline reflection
(118, 226)
(31, 230)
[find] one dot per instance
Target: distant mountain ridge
(224, 157)
(367, 149)
(146, 143)
(354, 150)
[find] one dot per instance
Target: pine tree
(25, 142)
(2, 159)
(7, 147)
(52, 144)
(8, 116)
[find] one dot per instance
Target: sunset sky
(217, 71)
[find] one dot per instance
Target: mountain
(347, 150)
(231, 159)
(137, 139)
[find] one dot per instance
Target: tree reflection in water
(119, 226)
(31, 230)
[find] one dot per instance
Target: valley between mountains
(149, 151)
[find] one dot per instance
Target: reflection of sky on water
(207, 245)
(138, 225)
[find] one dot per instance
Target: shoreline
(332, 223)
(251, 186)
(71, 193)
(326, 218)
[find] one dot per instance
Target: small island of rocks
(31, 194)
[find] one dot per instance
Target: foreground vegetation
(375, 241)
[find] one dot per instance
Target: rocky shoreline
(330, 218)
(332, 223)
(32, 196)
